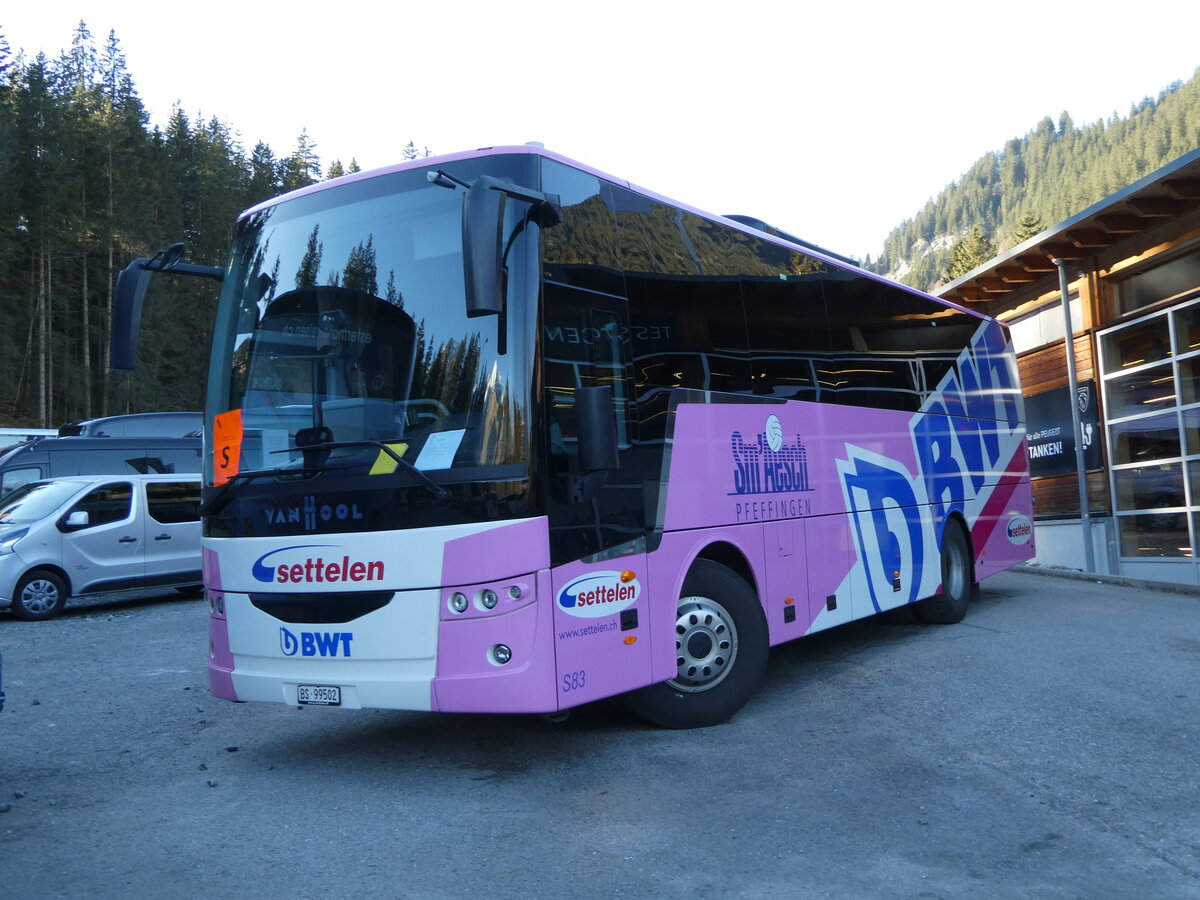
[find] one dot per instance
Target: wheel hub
(39, 596)
(705, 644)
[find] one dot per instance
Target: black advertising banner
(1048, 430)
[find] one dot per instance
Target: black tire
(191, 590)
(39, 595)
(721, 652)
(958, 580)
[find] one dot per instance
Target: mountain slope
(1035, 181)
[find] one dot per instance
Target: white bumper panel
(386, 659)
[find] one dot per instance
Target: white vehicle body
(88, 535)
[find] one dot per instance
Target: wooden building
(1133, 270)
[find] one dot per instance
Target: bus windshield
(344, 326)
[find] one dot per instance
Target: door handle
(128, 540)
(163, 537)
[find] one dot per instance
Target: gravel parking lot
(1047, 747)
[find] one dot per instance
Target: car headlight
(8, 539)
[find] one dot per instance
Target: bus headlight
(488, 599)
(458, 602)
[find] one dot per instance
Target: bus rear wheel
(958, 580)
(720, 652)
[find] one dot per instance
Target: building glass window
(1172, 280)
(1150, 370)
(1043, 326)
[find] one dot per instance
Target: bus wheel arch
(721, 648)
(958, 584)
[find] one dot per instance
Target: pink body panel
(509, 555)
(220, 663)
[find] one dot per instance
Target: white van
(90, 534)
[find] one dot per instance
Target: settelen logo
(318, 570)
(1019, 530)
(315, 643)
(599, 594)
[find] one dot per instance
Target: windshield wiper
(438, 491)
(220, 499)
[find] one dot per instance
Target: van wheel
(720, 652)
(39, 595)
(958, 580)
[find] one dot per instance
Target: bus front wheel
(720, 652)
(958, 580)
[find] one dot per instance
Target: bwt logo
(969, 426)
(315, 643)
(769, 465)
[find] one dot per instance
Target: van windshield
(32, 502)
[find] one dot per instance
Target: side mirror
(131, 289)
(78, 518)
(482, 224)
(596, 422)
(127, 314)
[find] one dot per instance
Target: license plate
(319, 695)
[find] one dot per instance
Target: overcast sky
(834, 121)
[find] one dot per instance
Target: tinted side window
(170, 460)
(871, 365)
(14, 478)
(581, 250)
(786, 324)
(688, 327)
(108, 503)
(173, 501)
(100, 462)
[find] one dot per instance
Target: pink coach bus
(497, 432)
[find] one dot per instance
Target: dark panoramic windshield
(347, 328)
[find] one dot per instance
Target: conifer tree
(971, 251)
(303, 167)
(1028, 225)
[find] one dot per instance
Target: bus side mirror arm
(130, 291)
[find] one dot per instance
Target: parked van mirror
(77, 519)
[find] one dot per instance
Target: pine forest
(87, 186)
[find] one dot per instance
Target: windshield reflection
(350, 327)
